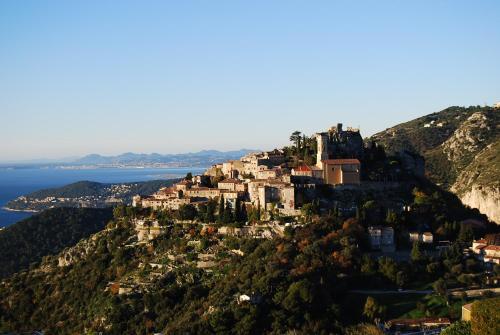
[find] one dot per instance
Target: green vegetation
(301, 282)
(486, 317)
(27, 241)
(458, 328)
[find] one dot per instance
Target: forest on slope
(47, 233)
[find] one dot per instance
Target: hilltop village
(316, 175)
(271, 181)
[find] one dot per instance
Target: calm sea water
(19, 181)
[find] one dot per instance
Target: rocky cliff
(461, 147)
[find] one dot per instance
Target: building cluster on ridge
(266, 180)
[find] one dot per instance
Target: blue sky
(79, 77)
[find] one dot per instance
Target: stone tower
(322, 140)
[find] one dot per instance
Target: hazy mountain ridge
(201, 158)
(460, 145)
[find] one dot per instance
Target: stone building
(339, 143)
(232, 184)
(268, 173)
(342, 171)
(203, 192)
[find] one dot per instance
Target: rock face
(80, 251)
(461, 147)
(478, 184)
(487, 200)
(469, 139)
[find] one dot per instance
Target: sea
(17, 181)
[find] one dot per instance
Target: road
(453, 292)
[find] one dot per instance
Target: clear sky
(79, 77)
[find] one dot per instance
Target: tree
(299, 296)
(187, 212)
(485, 318)
(401, 278)
(296, 138)
(458, 328)
(364, 329)
(465, 235)
(243, 213)
(391, 217)
(227, 214)
(237, 211)
(189, 176)
(373, 309)
(388, 267)
(416, 254)
(309, 209)
(440, 287)
(220, 212)
(368, 265)
(211, 206)
(119, 211)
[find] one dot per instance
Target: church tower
(322, 141)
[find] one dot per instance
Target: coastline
(20, 210)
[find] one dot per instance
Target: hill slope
(86, 194)
(195, 279)
(460, 145)
(47, 234)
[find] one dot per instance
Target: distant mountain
(201, 158)
(461, 147)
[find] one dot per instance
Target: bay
(15, 182)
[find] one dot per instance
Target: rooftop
(341, 161)
(230, 180)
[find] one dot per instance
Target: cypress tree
(220, 213)
(228, 214)
(237, 210)
(243, 212)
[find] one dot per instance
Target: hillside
(460, 146)
(195, 278)
(86, 194)
(45, 234)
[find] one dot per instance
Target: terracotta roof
(341, 161)
(493, 247)
(482, 241)
(202, 189)
(303, 168)
(468, 306)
